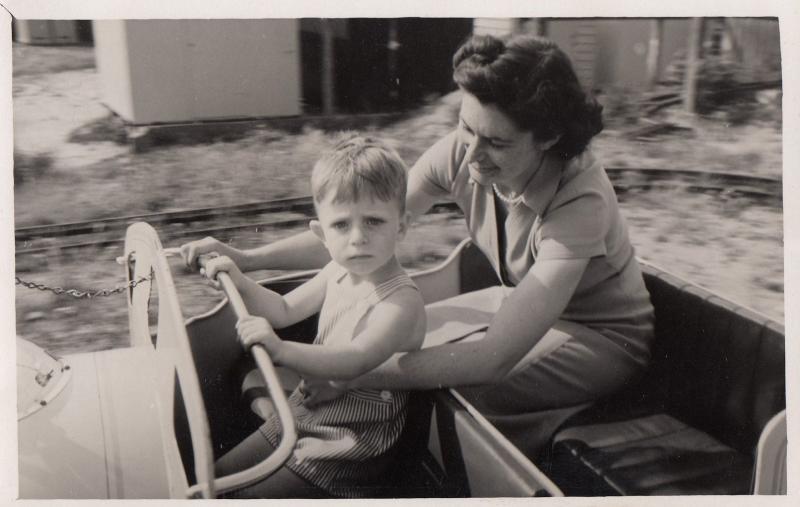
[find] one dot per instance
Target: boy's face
(360, 236)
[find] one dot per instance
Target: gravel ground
(72, 164)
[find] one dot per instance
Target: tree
(692, 64)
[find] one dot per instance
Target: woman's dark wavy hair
(532, 81)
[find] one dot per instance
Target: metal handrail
(278, 457)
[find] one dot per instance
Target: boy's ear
(316, 228)
(405, 220)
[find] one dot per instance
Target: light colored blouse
(569, 210)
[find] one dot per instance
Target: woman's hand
(256, 330)
(316, 391)
(194, 249)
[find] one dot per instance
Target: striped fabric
(342, 445)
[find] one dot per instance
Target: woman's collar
(543, 185)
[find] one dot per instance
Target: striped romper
(342, 444)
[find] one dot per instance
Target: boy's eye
(374, 221)
(339, 225)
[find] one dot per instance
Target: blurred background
(147, 118)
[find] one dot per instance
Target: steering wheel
(264, 469)
(145, 257)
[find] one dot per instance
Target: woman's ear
(546, 145)
(316, 228)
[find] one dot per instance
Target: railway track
(295, 212)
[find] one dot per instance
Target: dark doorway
(372, 75)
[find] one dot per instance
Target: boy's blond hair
(360, 166)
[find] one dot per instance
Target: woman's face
(497, 151)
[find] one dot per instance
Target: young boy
(369, 309)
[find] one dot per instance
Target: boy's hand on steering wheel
(254, 330)
(221, 264)
(191, 251)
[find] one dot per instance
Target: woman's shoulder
(582, 175)
(448, 151)
(449, 145)
(441, 169)
(583, 164)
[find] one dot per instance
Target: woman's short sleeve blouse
(569, 211)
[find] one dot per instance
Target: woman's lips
(487, 169)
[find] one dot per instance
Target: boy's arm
(280, 311)
(395, 324)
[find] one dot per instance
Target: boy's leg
(282, 484)
(255, 390)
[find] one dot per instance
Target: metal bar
(279, 456)
(93, 226)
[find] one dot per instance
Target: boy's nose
(358, 235)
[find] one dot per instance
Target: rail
(39, 239)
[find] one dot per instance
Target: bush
(30, 167)
(621, 106)
(719, 91)
(719, 87)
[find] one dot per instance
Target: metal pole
(654, 51)
(393, 45)
(692, 63)
(328, 103)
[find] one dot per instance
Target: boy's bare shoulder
(407, 295)
(407, 308)
(408, 299)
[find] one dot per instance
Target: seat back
(466, 269)
(770, 470)
(716, 365)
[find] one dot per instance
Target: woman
(578, 322)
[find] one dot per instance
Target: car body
(148, 421)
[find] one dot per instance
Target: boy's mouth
(359, 257)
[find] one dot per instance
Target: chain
(84, 294)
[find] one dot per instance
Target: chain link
(84, 294)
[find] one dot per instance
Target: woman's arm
(385, 330)
(301, 251)
(524, 317)
(305, 251)
(418, 201)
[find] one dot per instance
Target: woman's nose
(475, 150)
